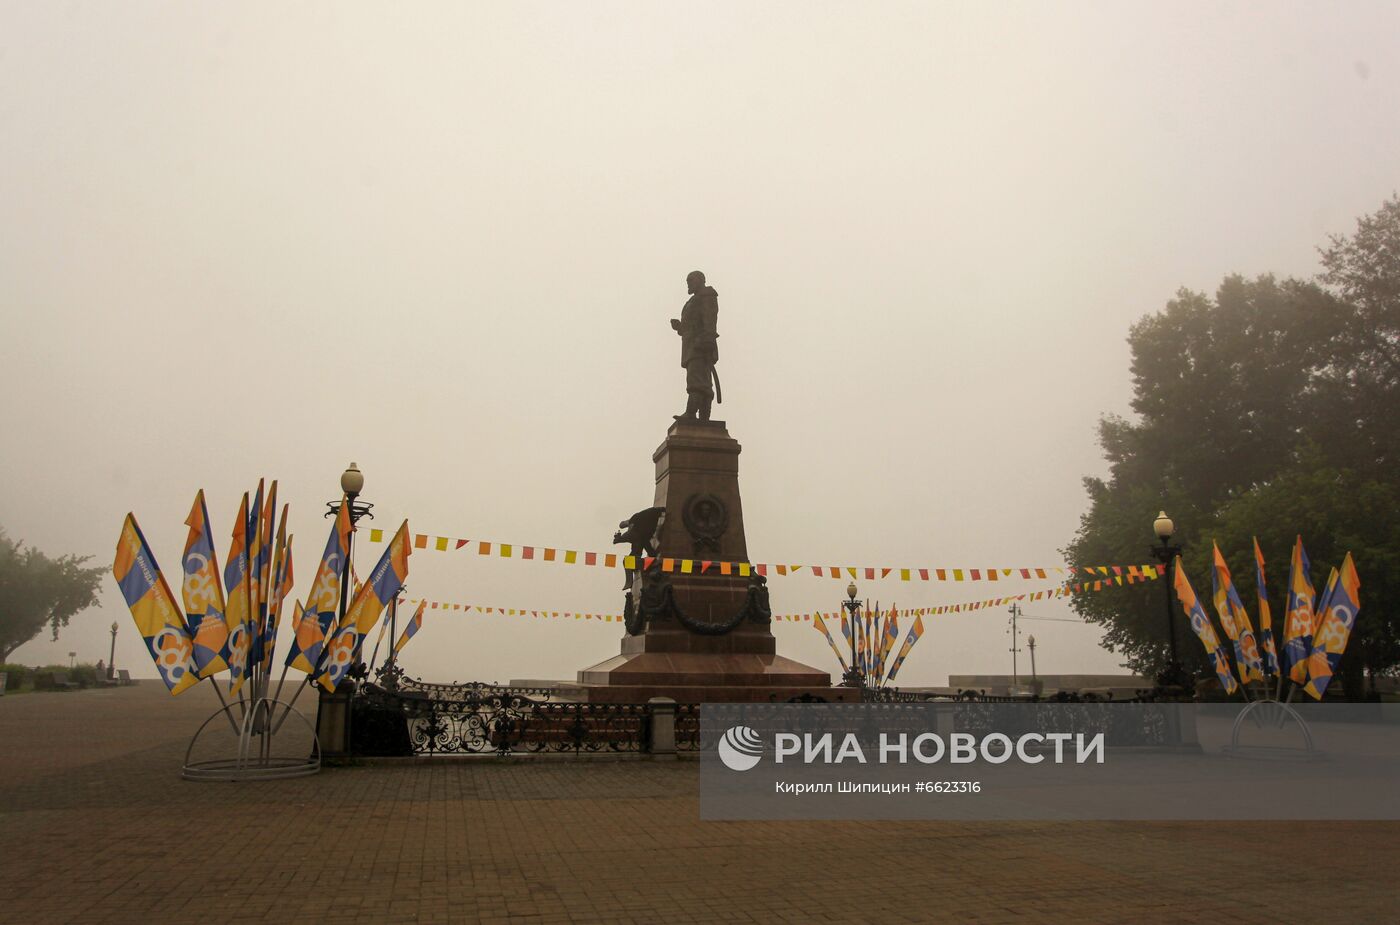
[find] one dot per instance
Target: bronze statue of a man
(699, 346)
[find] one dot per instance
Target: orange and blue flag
(411, 628)
(152, 605)
(821, 625)
(915, 632)
(1235, 619)
(1298, 621)
(891, 635)
(1204, 630)
(265, 546)
(379, 640)
(282, 580)
(1266, 619)
(259, 552)
(240, 612)
(253, 537)
(383, 586)
(867, 646)
(1338, 616)
(203, 593)
(314, 625)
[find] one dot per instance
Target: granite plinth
(713, 693)
(693, 669)
(697, 483)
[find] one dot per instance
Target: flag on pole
(282, 581)
(1298, 620)
(378, 640)
(1323, 600)
(821, 625)
(153, 607)
(266, 522)
(1201, 624)
(261, 553)
(1266, 620)
(240, 611)
(314, 622)
(411, 628)
(866, 645)
(915, 632)
(1235, 620)
(255, 591)
(1334, 629)
(383, 585)
(203, 593)
(891, 637)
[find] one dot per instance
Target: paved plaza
(99, 827)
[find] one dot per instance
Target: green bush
(19, 676)
(83, 674)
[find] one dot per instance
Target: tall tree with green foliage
(1272, 409)
(37, 591)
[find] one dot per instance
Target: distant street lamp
(1030, 644)
(72, 659)
(1166, 553)
(853, 677)
(1015, 612)
(112, 658)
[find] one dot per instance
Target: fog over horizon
(445, 241)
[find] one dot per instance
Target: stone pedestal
(679, 652)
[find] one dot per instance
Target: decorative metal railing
(688, 727)
(894, 695)
(416, 718)
(403, 716)
(1153, 725)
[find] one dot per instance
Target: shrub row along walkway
(99, 827)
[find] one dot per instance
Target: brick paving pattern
(97, 826)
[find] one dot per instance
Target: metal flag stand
(255, 758)
(1269, 711)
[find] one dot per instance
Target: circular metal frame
(1273, 712)
(250, 763)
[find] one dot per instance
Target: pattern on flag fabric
(152, 605)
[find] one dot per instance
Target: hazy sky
(444, 241)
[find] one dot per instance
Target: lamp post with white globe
(352, 482)
(1167, 552)
(854, 677)
(333, 708)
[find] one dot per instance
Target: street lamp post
(854, 677)
(1015, 612)
(1167, 552)
(1030, 644)
(112, 657)
(352, 482)
(333, 708)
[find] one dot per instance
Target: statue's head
(694, 281)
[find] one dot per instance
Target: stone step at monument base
(711, 693)
(706, 677)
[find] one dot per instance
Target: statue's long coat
(698, 336)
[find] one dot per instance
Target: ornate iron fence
(416, 718)
(402, 716)
(688, 727)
